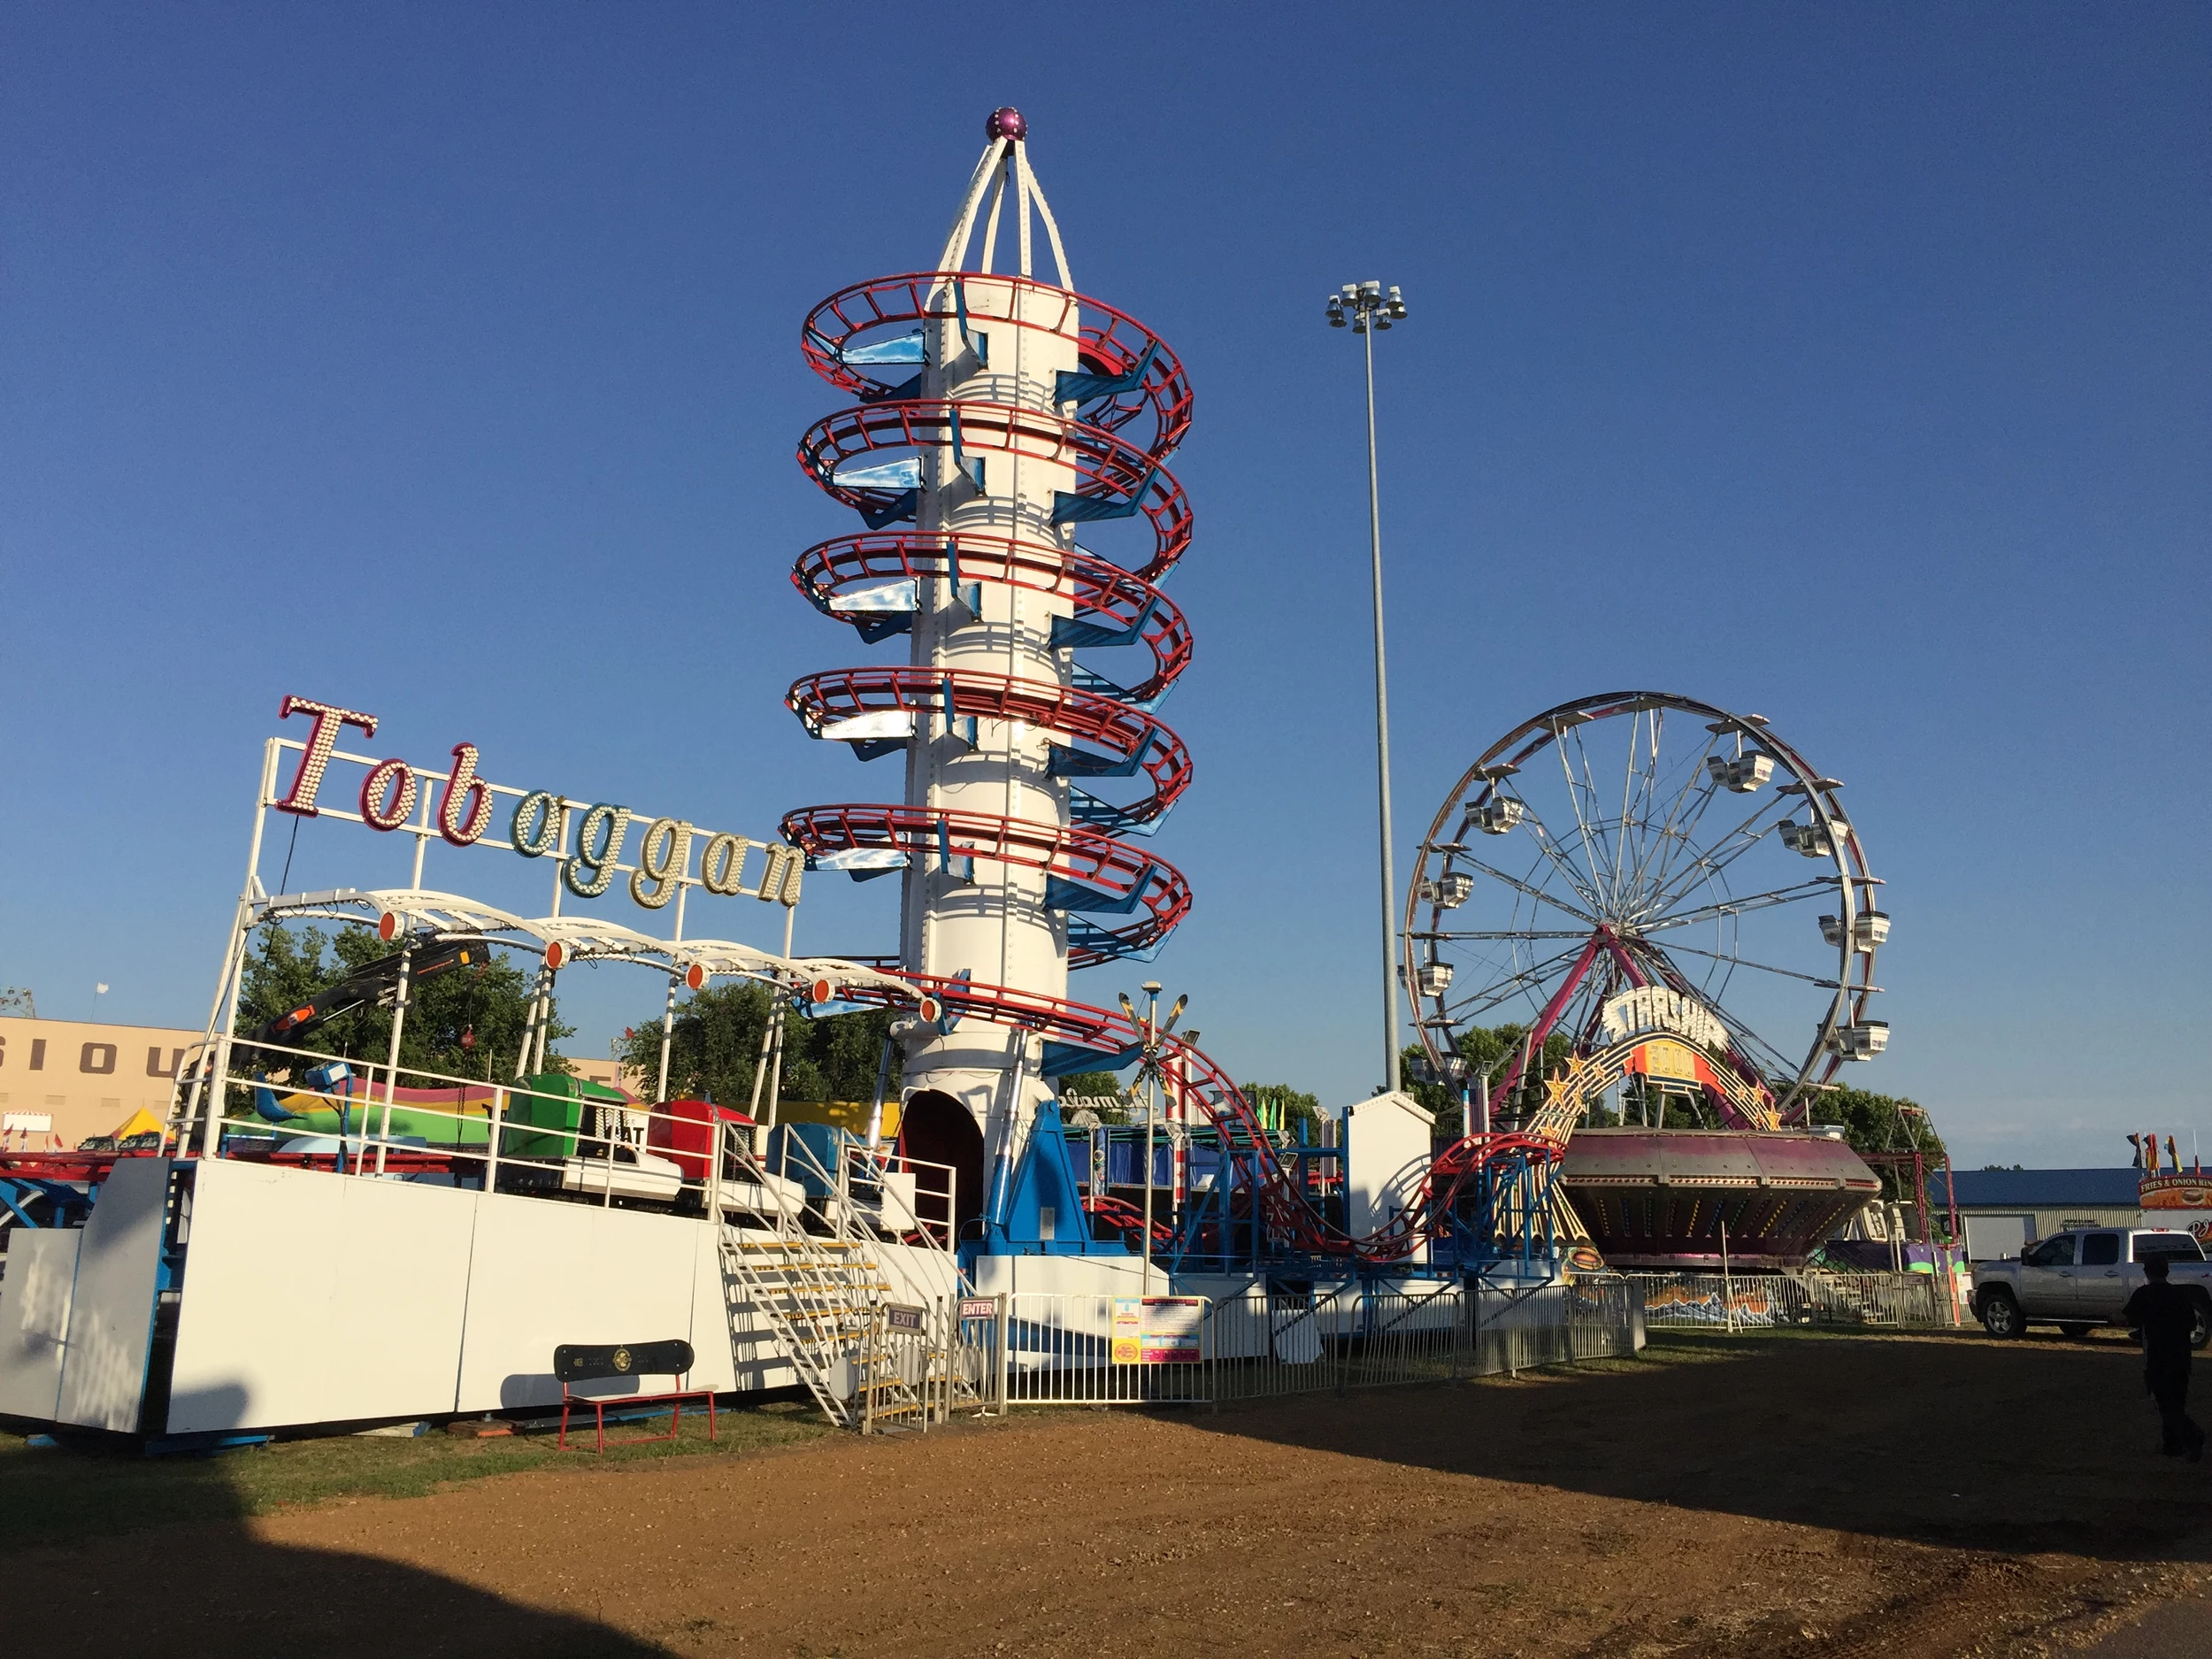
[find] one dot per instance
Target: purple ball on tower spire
(1006, 124)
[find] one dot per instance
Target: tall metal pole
(1151, 1111)
(1382, 740)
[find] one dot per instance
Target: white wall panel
(111, 1311)
(918, 1275)
(546, 1273)
(35, 1319)
(1068, 1275)
(312, 1298)
(1387, 1147)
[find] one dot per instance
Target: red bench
(576, 1363)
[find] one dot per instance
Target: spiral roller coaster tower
(997, 414)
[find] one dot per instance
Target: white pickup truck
(2075, 1280)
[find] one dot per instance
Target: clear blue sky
(1845, 364)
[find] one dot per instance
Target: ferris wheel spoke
(1538, 893)
(1607, 834)
(1594, 837)
(1513, 985)
(1681, 832)
(1632, 820)
(1574, 803)
(1676, 948)
(1549, 845)
(1731, 907)
(1522, 934)
(1666, 838)
(1711, 792)
(1763, 1055)
(1708, 865)
(1636, 802)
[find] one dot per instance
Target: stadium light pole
(1368, 309)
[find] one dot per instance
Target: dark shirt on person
(2165, 1314)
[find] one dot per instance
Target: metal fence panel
(1766, 1300)
(1260, 1343)
(1059, 1351)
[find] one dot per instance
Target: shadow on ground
(162, 1555)
(1955, 1439)
(214, 1588)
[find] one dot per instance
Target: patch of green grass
(97, 1488)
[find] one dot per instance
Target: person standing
(2166, 1314)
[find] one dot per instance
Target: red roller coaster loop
(1290, 1218)
(1110, 600)
(1109, 472)
(1098, 864)
(1113, 343)
(1131, 737)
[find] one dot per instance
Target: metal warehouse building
(2002, 1210)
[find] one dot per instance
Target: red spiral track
(1112, 348)
(1125, 734)
(1115, 443)
(1106, 469)
(1117, 597)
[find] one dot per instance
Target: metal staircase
(823, 1293)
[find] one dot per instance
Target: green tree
(1879, 1123)
(1488, 1050)
(716, 1044)
(1290, 1108)
(1875, 1123)
(488, 1006)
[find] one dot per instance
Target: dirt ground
(1937, 1495)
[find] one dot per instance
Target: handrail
(476, 1134)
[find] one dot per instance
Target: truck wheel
(2001, 1314)
(2073, 1332)
(2201, 1327)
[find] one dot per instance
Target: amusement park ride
(1629, 872)
(316, 1241)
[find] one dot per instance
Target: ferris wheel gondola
(1648, 843)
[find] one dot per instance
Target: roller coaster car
(630, 1174)
(591, 1142)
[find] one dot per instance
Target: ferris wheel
(1636, 852)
